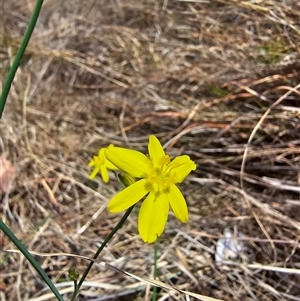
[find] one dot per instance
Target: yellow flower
(157, 178)
(101, 164)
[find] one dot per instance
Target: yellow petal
(181, 166)
(128, 197)
(104, 174)
(155, 149)
(130, 161)
(104, 161)
(109, 165)
(153, 217)
(93, 162)
(178, 203)
(94, 173)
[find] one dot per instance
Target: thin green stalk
(74, 275)
(76, 290)
(19, 55)
(108, 238)
(30, 258)
(154, 296)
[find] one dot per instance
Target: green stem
(75, 290)
(30, 258)
(108, 238)
(19, 55)
(154, 296)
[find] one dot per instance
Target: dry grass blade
(164, 286)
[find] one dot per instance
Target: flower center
(160, 178)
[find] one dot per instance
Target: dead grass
(218, 80)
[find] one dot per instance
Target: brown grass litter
(218, 80)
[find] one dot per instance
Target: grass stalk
(19, 55)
